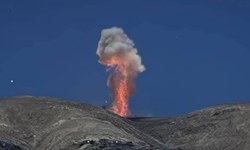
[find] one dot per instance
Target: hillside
(42, 123)
(225, 127)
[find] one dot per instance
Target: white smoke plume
(115, 42)
(117, 51)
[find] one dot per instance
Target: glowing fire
(121, 94)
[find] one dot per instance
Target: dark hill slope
(42, 123)
(225, 127)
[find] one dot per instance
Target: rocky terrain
(43, 123)
(8, 146)
(225, 127)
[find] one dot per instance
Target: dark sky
(196, 53)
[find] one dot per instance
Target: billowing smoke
(117, 52)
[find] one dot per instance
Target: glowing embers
(117, 52)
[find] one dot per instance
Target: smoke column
(117, 52)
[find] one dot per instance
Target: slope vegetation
(225, 127)
(42, 123)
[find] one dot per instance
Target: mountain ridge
(46, 123)
(39, 120)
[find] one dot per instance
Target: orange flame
(121, 94)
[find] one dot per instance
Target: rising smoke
(117, 52)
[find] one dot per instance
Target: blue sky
(196, 53)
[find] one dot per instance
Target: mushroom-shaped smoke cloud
(117, 51)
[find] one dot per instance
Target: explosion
(117, 52)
